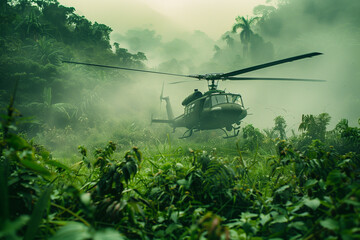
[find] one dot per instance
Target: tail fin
(168, 105)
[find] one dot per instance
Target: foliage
(312, 192)
(35, 37)
(253, 136)
(314, 127)
(280, 126)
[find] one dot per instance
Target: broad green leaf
(179, 166)
(74, 231)
(355, 230)
(37, 214)
(279, 219)
(182, 182)
(159, 234)
(234, 234)
(161, 219)
(108, 234)
(264, 218)
(352, 202)
(283, 188)
(330, 224)
(312, 203)
(155, 227)
(334, 177)
(310, 183)
(304, 214)
(298, 225)
(57, 164)
(17, 142)
(9, 229)
(35, 167)
(174, 217)
(248, 215)
(344, 162)
(296, 237)
(172, 227)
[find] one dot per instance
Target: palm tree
(246, 33)
(47, 51)
(280, 125)
(30, 25)
(315, 126)
(52, 113)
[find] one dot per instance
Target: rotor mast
(212, 84)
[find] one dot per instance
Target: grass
(166, 188)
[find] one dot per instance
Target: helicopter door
(191, 115)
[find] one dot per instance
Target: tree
(246, 33)
(253, 137)
(315, 126)
(280, 126)
(30, 25)
(229, 40)
(52, 114)
(125, 58)
(348, 137)
(47, 51)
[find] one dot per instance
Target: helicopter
(214, 109)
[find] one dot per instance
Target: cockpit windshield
(236, 99)
(218, 99)
(222, 98)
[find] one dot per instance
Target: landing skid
(187, 134)
(235, 134)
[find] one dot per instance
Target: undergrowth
(264, 188)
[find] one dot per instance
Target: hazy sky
(168, 17)
(299, 27)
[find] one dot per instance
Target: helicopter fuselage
(213, 110)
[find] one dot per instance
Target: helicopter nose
(229, 112)
(214, 109)
(228, 108)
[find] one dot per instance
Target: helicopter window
(218, 99)
(190, 108)
(221, 99)
(236, 99)
(207, 103)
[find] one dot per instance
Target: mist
(286, 29)
(327, 27)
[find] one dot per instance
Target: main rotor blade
(269, 64)
(181, 82)
(128, 69)
(275, 79)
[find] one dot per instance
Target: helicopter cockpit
(217, 99)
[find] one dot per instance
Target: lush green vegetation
(258, 186)
(35, 37)
(56, 183)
